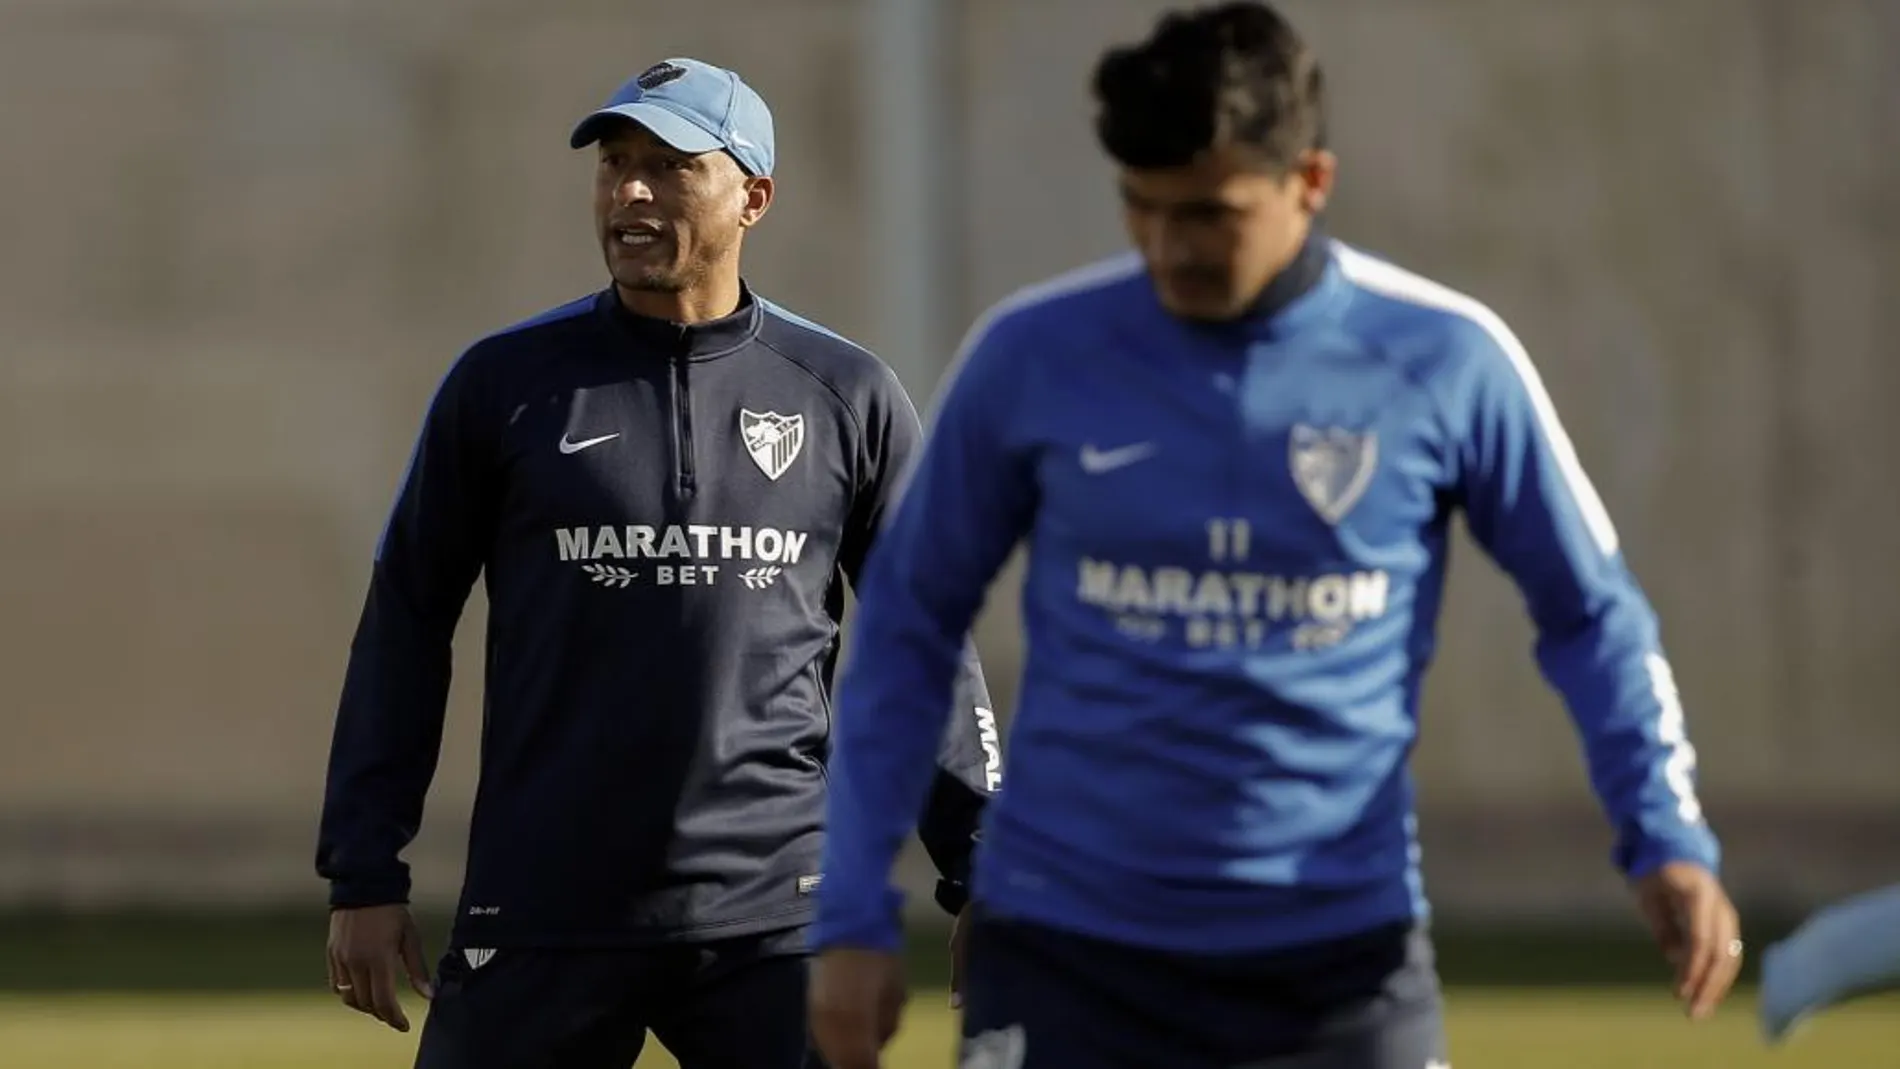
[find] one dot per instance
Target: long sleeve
(970, 757)
(388, 732)
(1535, 512)
(969, 498)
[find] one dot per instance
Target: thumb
(847, 1037)
(1663, 909)
(958, 939)
(416, 964)
(891, 1009)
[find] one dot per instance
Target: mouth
(1196, 286)
(1196, 278)
(635, 236)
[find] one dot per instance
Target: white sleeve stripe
(1096, 275)
(1395, 282)
(1672, 731)
(1080, 280)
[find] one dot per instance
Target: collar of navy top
(696, 341)
(1296, 278)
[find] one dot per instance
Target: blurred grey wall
(240, 240)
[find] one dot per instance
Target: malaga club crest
(1332, 467)
(773, 440)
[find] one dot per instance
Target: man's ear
(1318, 170)
(758, 198)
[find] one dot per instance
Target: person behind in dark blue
(665, 486)
(1233, 457)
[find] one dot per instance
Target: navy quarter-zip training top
(662, 515)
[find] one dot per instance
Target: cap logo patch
(659, 74)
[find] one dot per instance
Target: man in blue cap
(661, 484)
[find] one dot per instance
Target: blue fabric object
(1844, 950)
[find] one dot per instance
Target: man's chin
(1200, 308)
(649, 281)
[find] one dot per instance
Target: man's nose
(633, 191)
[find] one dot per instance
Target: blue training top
(1237, 540)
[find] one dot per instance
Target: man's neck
(1297, 275)
(713, 299)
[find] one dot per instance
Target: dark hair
(1230, 74)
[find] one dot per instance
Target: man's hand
(959, 951)
(1696, 925)
(857, 998)
(368, 948)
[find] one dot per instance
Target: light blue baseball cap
(694, 107)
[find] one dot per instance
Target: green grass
(170, 991)
(1600, 1028)
(248, 953)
